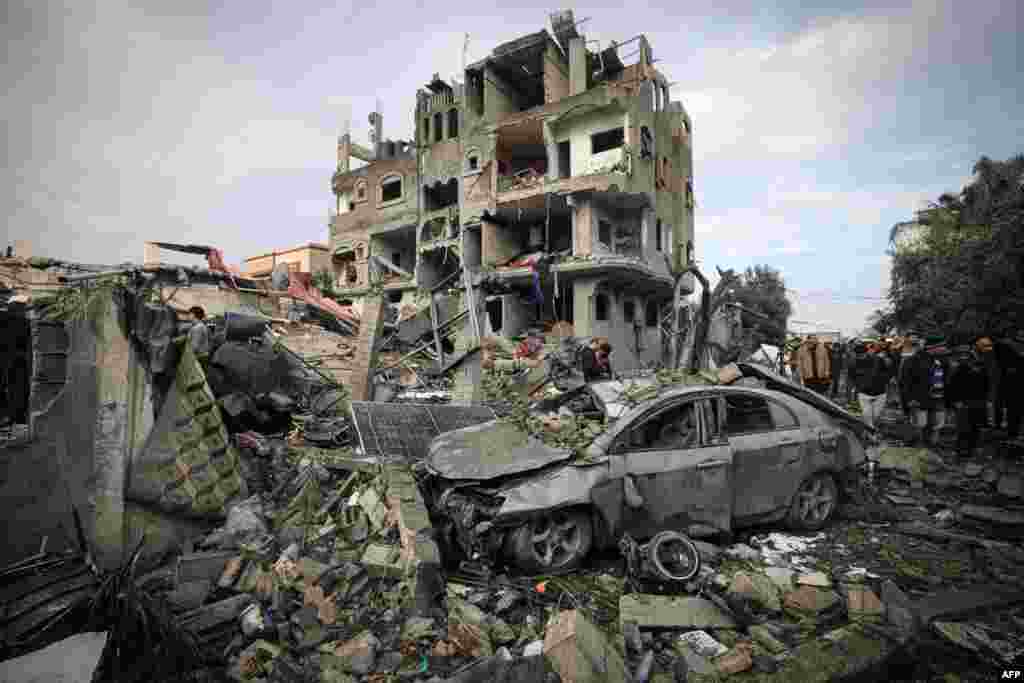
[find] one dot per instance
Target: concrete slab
(71, 660)
(660, 611)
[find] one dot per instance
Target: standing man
(815, 365)
(872, 373)
(968, 393)
(836, 358)
(923, 386)
(1011, 380)
(199, 335)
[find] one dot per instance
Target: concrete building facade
(305, 258)
(549, 185)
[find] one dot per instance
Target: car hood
(489, 451)
(779, 383)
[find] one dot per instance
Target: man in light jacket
(815, 365)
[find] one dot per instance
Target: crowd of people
(976, 384)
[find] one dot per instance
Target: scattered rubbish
(703, 644)
(944, 517)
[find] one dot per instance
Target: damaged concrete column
(577, 65)
(111, 435)
(344, 153)
(371, 326)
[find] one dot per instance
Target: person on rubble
(835, 352)
(872, 373)
(1010, 355)
(923, 386)
(199, 335)
(968, 394)
(596, 367)
(815, 365)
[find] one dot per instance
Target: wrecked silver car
(703, 460)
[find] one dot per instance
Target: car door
(768, 453)
(682, 485)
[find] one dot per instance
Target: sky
(816, 126)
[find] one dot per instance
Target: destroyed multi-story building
(549, 186)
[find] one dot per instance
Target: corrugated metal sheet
(402, 432)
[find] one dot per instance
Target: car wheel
(557, 542)
(814, 502)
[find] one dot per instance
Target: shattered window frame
(732, 410)
(388, 182)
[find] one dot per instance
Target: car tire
(557, 542)
(814, 503)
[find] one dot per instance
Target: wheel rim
(815, 500)
(678, 559)
(556, 540)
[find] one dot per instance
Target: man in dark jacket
(871, 375)
(968, 394)
(836, 350)
(923, 387)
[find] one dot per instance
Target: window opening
(474, 163)
(395, 297)
(351, 206)
(495, 311)
(604, 232)
(391, 150)
(391, 190)
(657, 235)
(628, 311)
(601, 307)
(651, 314)
(396, 258)
(438, 127)
(453, 123)
(672, 429)
(748, 414)
(426, 129)
(646, 143)
(564, 160)
(607, 140)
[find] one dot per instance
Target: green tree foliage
(761, 292)
(964, 273)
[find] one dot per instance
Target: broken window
(473, 162)
(747, 414)
(426, 129)
(657, 235)
(601, 306)
(453, 123)
(607, 140)
(439, 196)
(629, 311)
(651, 314)
(396, 258)
(391, 189)
(564, 160)
(646, 143)
(438, 127)
(395, 297)
(604, 232)
(671, 429)
(495, 310)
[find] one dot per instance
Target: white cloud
(804, 94)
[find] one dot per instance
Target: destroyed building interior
(378, 459)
